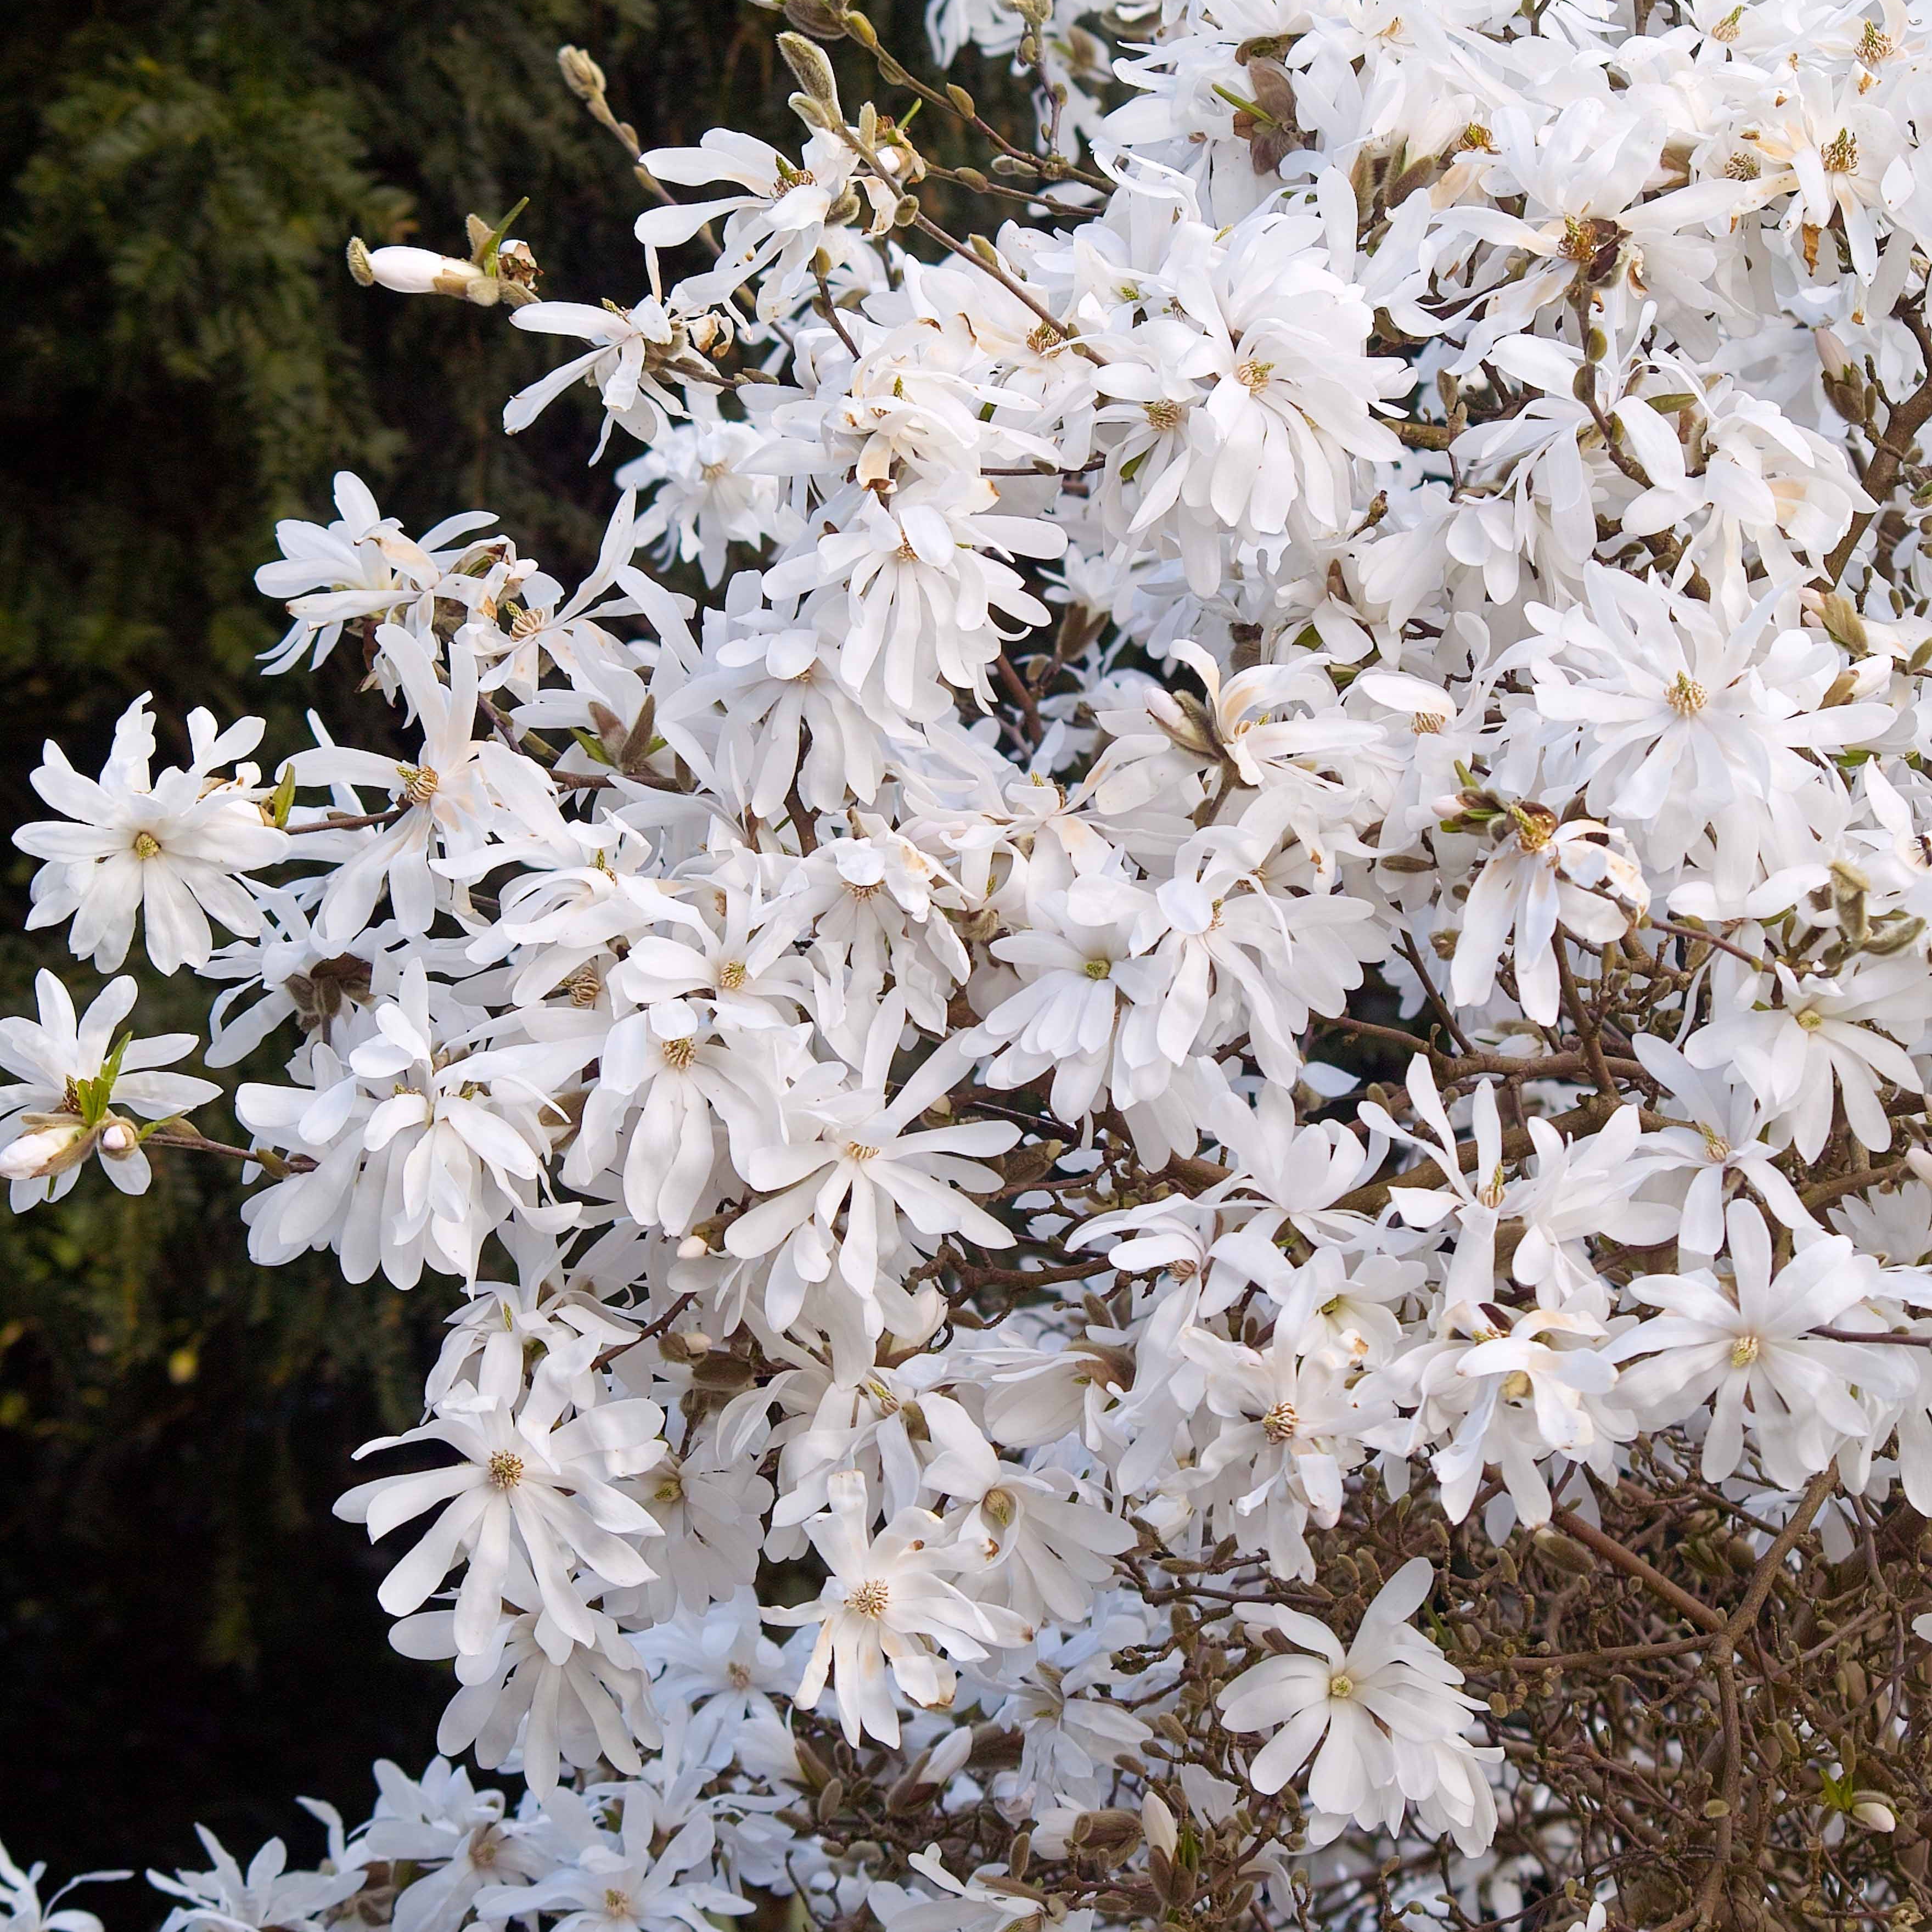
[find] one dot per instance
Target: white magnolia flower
(1542, 874)
(21, 1908)
(1382, 1718)
(173, 847)
(71, 1075)
(267, 1898)
(1747, 1347)
(629, 1888)
(889, 1605)
(529, 1491)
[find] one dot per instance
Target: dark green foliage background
(185, 1633)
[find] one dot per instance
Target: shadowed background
(186, 1633)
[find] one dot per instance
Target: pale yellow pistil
(1535, 826)
(869, 1600)
(419, 783)
(1686, 696)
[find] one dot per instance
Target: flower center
(1742, 167)
(1716, 1146)
(1280, 1422)
(585, 985)
(869, 1600)
(1045, 336)
(1873, 45)
(858, 1151)
(1810, 1019)
(419, 783)
(1426, 724)
(1253, 377)
(1535, 826)
(616, 1904)
(679, 1054)
(1726, 29)
(146, 845)
(1341, 1684)
(1686, 696)
(1001, 1505)
(711, 472)
(739, 1676)
(1516, 1385)
(1841, 153)
(506, 1469)
(1164, 415)
(1744, 1351)
(1097, 969)
(731, 975)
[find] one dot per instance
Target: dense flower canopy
(964, 1405)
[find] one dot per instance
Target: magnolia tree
(1401, 553)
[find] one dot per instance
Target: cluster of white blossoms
(1404, 553)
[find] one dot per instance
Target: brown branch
(1903, 421)
(1632, 1564)
(1017, 690)
(188, 1142)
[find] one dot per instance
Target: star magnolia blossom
(1222, 1021)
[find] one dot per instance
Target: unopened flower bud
(1831, 353)
(119, 1139)
(814, 17)
(1869, 1809)
(581, 74)
(422, 271)
(1112, 1832)
(1183, 720)
(46, 1151)
(813, 72)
